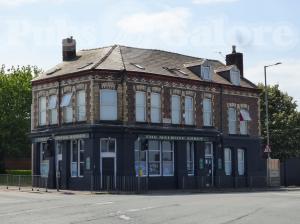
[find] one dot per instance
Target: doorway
(209, 164)
(108, 163)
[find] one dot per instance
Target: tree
(284, 122)
(15, 107)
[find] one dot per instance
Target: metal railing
(32, 182)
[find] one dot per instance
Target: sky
(265, 31)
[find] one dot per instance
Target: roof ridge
(104, 57)
(121, 54)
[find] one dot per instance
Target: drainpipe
(59, 101)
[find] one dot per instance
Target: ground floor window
(227, 161)
(190, 158)
(44, 163)
(77, 158)
(241, 161)
(158, 160)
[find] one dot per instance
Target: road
(181, 208)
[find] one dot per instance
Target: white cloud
(286, 75)
(15, 3)
(208, 2)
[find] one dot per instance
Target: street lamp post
(267, 106)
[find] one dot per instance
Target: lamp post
(267, 106)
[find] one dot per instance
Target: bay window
(189, 110)
(52, 107)
(140, 106)
(176, 109)
(108, 104)
(42, 110)
(155, 108)
(80, 105)
(207, 112)
(66, 104)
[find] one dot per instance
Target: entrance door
(108, 165)
(209, 164)
(58, 164)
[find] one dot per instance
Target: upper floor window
(189, 110)
(66, 104)
(232, 120)
(155, 108)
(42, 110)
(205, 72)
(140, 106)
(235, 77)
(52, 106)
(244, 119)
(108, 104)
(176, 111)
(207, 112)
(227, 161)
(80, 106)
(241, 161)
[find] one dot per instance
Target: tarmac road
(55, 208)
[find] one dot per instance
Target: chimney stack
(69, 49)
(236, 58)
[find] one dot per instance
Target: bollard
(19, 177)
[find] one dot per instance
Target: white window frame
(235, 77)
(203, 75)
(155, 109)
(228, 161)
(108, 154)
(42, 110)
(244, 123)
(44, 163)
(78, 162)
(52, 110)
(140, 107)
(232, 120)
(207, 112)
(111, 105)
(241, 162)
(67, 109)
(81, 106)
(160, 159)
(189, 112)
(190, 150)
(175, 111)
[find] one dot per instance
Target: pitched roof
(149, 61)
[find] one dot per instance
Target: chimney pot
(233, 49)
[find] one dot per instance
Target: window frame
(209, 78)
(189, 112)
(79, 161)
(162, 158)
(53, 111)
(80, 106)
(43, 160)
(155, 107)
(228, 161)
(113, 105)
(190, 150)
(140, 106)
(42, 111)
(67, 109)
(232, 120)
(235, 77)
(207, 112)
(139, 151)
(241, 172)
(174, 110)
(244, 124)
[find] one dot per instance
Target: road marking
(124, 217)
(139, 209)
(104, 203)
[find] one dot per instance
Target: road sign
(267, 148)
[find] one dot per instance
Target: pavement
(270, 207)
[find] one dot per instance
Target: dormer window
(205, 73)
(235, 77)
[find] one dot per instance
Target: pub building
(118, 111)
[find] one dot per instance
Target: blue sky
(265, 31)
